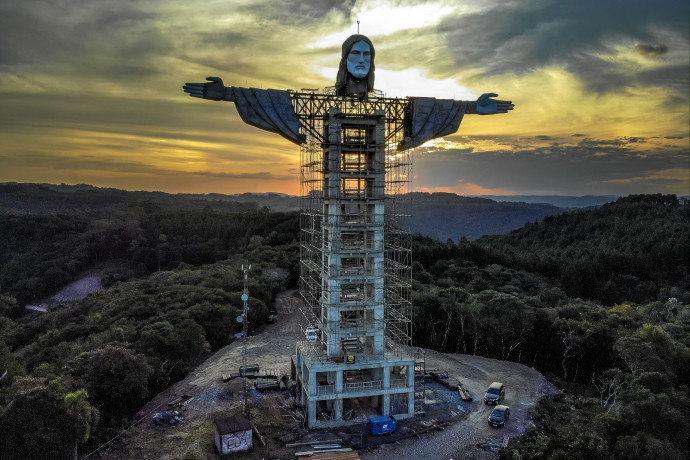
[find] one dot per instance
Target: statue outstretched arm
(268, 109)
(214, 90)
(429, 118)
(488, 106)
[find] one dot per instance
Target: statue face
(359, 59)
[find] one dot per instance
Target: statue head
(356, 72)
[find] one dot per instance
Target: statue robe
(431, 118)
(269, 109)
(272, 110)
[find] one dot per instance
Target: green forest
(596, 300)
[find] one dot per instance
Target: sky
(90, 90)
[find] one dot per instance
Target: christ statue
(273, 110)
(355, 268)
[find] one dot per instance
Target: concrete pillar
(339, 383)
(386, 409)
(338, 409)
(386, 377)
(312, 383)
(311, 413)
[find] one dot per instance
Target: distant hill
(635, 248)
(561, 201)
(446, 215)
(438, 215)
(280, 202)
(27, 198)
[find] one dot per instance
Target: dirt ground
(270, 412)
(79, 289)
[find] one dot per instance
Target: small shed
(233, 434)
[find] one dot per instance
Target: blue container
(382, 425)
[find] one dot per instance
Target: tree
(571, 333)
(35, 425)
(608, 384)
(453, 305)
(83, 417)
(117, 380)
(505, 321)
(637, 354)
(9, 307)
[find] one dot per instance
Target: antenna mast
(358, 27)
(245, 326)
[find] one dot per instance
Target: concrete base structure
(337, 394)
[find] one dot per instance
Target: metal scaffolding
(355, 267)
(352, 221)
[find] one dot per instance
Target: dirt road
(524, 386)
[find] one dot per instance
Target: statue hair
(344, 75)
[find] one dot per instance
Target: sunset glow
(602, 107)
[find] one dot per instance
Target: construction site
(449, 426)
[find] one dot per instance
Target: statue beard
(354, 87)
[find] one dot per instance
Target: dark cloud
(518, 37)
(84, 31)
(619, 141)
(676, 77)
(27, 39)
(651, 50)
(603, 76)
(298, 11)
(608, 167)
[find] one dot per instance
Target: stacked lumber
(343, 454)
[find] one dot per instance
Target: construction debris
(261, 438)
(492, 445)
(464, 392)
(181, 401)
(249, 370)
(309, 453)
(380, 441)
(337, 456)
(167, 418)
(253, 372)
(266, 384)
(314, 443)
(227, 377)
(451, 383)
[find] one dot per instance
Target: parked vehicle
(494, 394)
(499, 416)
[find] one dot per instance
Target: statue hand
(213, 90)
(488, 106)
